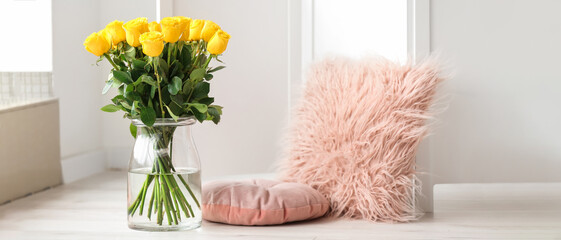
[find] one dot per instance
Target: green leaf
(175, 86)
(163, 66)
(216, 69)
(135, 73)
(124, 77)
(116, 82)
(149, 80)
(177, 69)
(163, 79)
(175, 117)
(152, 91)
(99, 60)
(117, 99)
(180, 75)
(129, 90)
(130, 52)
(215, 114)
(166, 96)
(134, 108)
(133, 96)
(126, 105)
(202, 59)
(142, 88)
(187, 87)
(108, 85)
(197, 74)
(148, 116)
(185, 57)
(202, 108)
(208, 77)
(180, 45)
(148, 68)
(201, 90)
(206, 101)
(132, 129)
(110, 108)
(176, 108)
(138, 64)
(219, 108)
(199, 116)
(177, 99)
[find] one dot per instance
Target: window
(355, 28)
(26, 47)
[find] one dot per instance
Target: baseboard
(118, 157)
(83, 165)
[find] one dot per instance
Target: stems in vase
(166, 198)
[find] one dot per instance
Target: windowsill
(28, 104)
(95, 208)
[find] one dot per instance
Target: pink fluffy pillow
(261, 202)
(355, 134)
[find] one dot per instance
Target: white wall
(76, 81)
(88, 136)
(254, 88)
(503, 119)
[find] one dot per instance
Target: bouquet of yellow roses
(161, 70)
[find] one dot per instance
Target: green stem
(190, 191)
(198, 52)
(177, 212)
(169, 191)
(174, 53)
(160, 204)
(166, 202)
(132, 207)
(144, 190)
(158, 80)
(157, 193)
(170, 46)
(111, 61)
(183, 200)
(151, 203)
(208, 60)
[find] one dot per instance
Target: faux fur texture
(355, 133)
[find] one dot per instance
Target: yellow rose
(208, 30)
(105, 33)
(154, 27)
(186, 23)
(97, 43)
(218, 43)
(195, 29)
(115, 29)
(134, 28)
(152, 43)
(172, 29)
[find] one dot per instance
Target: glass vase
(164, 181)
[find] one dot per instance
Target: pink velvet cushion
(261, 202)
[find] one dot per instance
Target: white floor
(94, 208)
